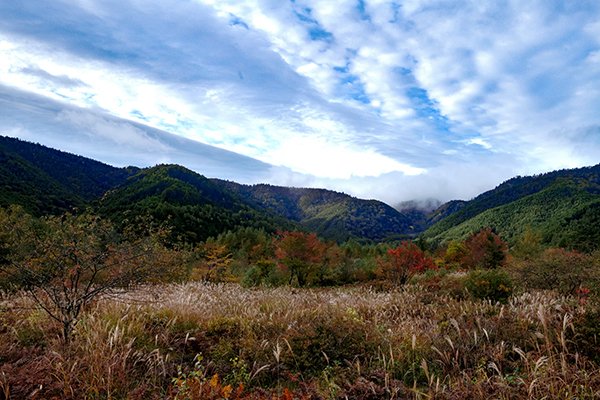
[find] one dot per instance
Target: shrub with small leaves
(565, 271)
(492, 285)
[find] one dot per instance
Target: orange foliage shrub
(401, 263)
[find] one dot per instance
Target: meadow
(200, 340)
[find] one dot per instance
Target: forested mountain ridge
(45, 180)
(444, 211)
(563, 207)
(334, 215)
(512, 190)
(194, 206)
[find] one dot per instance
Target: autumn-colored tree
(214, 262)
(63, 263)
(300, 253)
(402, 262)
(455, 254)
(529, 245)
(559, 269)
(485, 249)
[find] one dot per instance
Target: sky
(393, 100)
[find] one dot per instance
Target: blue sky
(394, 100)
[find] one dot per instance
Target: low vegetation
(213, 341)
(89, 311)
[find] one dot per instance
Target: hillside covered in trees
(47, 181)
(562, 206)
(333, 215)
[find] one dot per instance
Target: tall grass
(281, 342)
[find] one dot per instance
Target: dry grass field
(223, 341)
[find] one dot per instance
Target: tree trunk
(67, 331)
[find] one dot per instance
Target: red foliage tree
(403, 262)
(300, 253)
(485, 249)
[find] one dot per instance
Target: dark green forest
(561, 205)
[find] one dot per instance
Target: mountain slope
(45, 180)
(563, 206)
(444, 211)
(195, 207)
(333, 215)
(24, 184)
(512, 190)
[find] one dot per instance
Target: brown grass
(355, 343)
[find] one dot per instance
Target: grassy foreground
(222, 341)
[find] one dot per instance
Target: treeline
(255, 256)
(53, 245)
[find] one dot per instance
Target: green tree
(529, 244)
(64, 263)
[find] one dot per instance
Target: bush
(329, 339)
(442, 281)
(264, 273)
(492, 285)
(558, 269)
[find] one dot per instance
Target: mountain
(420, 212)
(333, 215)
(196, 207)
(427, 205)
(563, 206)
(444, 211)
(45, 181)
(48, 181)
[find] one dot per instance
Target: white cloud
(323, 159)
(324, 88)
(118, 132)
(479, 142)
(116, 141)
